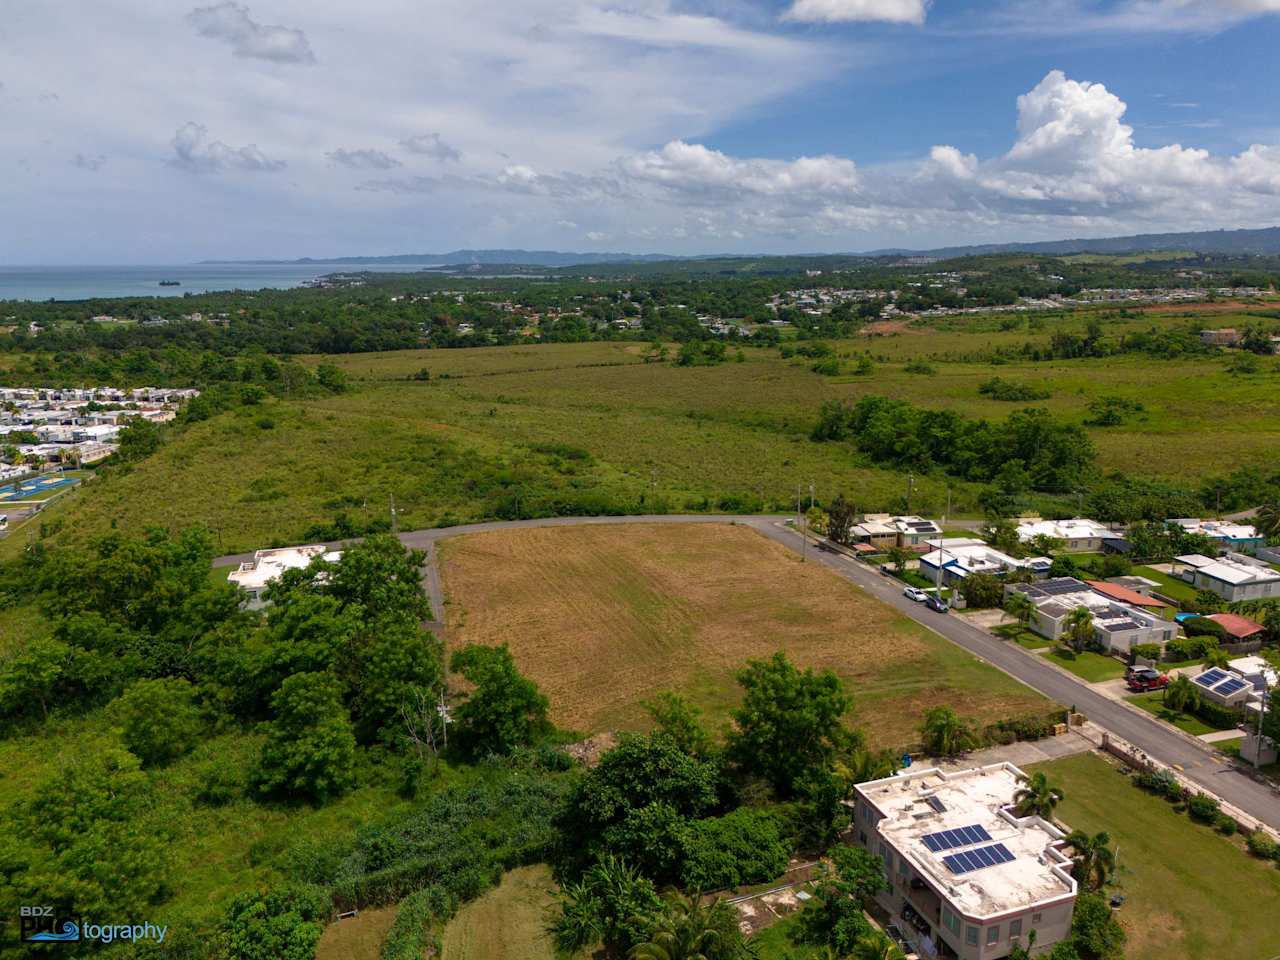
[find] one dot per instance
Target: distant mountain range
(1263, 242)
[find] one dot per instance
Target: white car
(916, 594)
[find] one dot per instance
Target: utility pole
(395, 521)
(911, 482)
(810, 494)
(948, 513)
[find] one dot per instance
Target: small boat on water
(170, 283)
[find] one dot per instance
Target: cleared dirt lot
(605, 617)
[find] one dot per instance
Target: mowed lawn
(1191, 894)
(507, 923)
(604, 617)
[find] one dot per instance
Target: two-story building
(959, 858)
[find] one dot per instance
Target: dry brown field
(605, 617)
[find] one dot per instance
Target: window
(1035, 919)
(993, 935)
(971, 936)
(1015, 928)
(951, 921)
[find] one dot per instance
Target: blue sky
(153, 131)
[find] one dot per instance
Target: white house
(1226, 688)
(956, 855)
(1077, 536)
(254, 576)
(883, 530)
(1233, 577)
(959, 557)
(1228, 535)
(1117, 626)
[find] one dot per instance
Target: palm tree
(691, 930)
(1216, 657)
(875, 946)
(1080, 628)
(1181, 695)
(1267, 519)
(1037, 797)
(1019, 606)
(1094, 859)
(946, 734)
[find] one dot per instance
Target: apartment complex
(976, 878)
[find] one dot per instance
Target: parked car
(937, 605)
(1144, 679)
(916, 594)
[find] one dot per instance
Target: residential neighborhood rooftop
(268, 565)
(931, 816)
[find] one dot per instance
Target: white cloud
(230, 22)
(595, 236)
(91, 162)
(362, 159)
(835, 11)
(431, 145)
(696, 171)
(194, 151)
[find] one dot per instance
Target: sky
(162, 131)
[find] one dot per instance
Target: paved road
(1159, 741)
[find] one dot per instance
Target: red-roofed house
(1125, 595)
(1238, 627)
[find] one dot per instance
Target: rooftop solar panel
(936, 804)
(969, 860)
(958, 837)
(1210, 677)
(1229, 687)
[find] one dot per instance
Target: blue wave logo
(70, 931)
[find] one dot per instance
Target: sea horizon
(36, 282)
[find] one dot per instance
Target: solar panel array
(1231, 686)
(959, 837)
(969, 860)
(1210, 677)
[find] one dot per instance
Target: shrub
(744, 846)
(1225, 825)
(280, 924)
(1261, 845)
(1203, 808)
(158, 720)
(1204, 627)
(1146, 651)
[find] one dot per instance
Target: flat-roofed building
(885, 531)
(959, 557)
(1226, 534)
(957, 856)
(254, 576)
(1233, 577)
(1080, 535)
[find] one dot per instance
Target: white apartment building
(956, 855)
(1117, 626)
(1233, 577)
(1077, 536)
(254, 576)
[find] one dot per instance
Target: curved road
(1199, 763)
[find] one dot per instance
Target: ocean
(83, 283)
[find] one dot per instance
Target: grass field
(605, 617)
(356, 938)
(591, 422)
(1088, 666)
(507, 923)
(1153, 703)
(1191, 894)
(1170, 586)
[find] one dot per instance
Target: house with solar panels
(960, 557)
(885, 532)
(1227, 688)
(968, 877)
(1117, 626)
